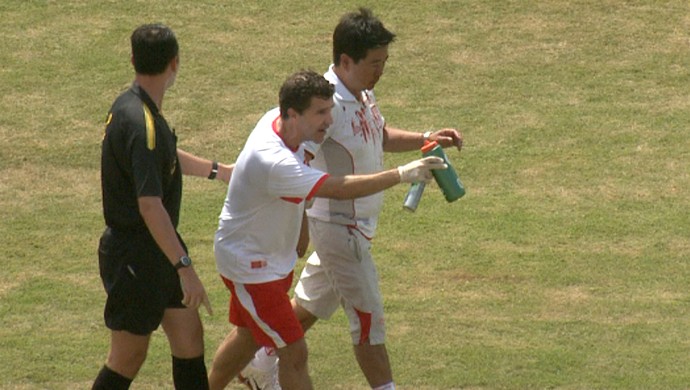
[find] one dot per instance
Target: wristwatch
(185, 261)
(214, 170)
(426, 135)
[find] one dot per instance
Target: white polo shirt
(259, 226)
(353, 145)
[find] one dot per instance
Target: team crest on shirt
(257, 264)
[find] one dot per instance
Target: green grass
(564, 266)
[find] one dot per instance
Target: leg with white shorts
(342, 272)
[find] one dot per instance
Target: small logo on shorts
(256, 264)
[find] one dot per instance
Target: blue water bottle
(447, 178)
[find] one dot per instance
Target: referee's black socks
(108, 379)
(190, 374)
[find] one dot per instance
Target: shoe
(251, 384)
(257, 379)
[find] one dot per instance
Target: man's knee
(185, 332)
(293, 356)
(126, 362)
(127, 353)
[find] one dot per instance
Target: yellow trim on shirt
(150, 128)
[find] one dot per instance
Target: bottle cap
(428, 145)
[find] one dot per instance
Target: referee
(144, 264)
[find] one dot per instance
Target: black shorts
(139, 280)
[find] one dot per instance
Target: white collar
(341, 91)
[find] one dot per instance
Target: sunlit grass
(564, 266)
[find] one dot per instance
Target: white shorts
(341, 271)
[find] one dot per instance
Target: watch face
(185, 261)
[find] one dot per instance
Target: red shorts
(265, 309)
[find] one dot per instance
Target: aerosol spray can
(414, 195)
(447, 178)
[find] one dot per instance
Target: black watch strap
(214, 170)
(184, 261)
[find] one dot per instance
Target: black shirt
(139, 158)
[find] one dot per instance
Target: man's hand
(447, 138)
(225, 172)
(193, 290)
(420, 170)
(303, 242)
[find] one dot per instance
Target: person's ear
(175, 63)
(345, 61)
(292, 113)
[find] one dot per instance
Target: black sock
(190, 374)
(108, 379)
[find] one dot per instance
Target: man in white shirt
(260, 225)
(341, 271)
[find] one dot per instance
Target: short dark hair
(358, 32)
(298, 89)
(153, 47)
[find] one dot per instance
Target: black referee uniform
(139, 158)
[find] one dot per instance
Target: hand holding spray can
(447, 179)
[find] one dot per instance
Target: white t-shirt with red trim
(353, 145)
(260, 223)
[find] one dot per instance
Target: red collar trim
(274, 125)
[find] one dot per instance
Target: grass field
(565, 265)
